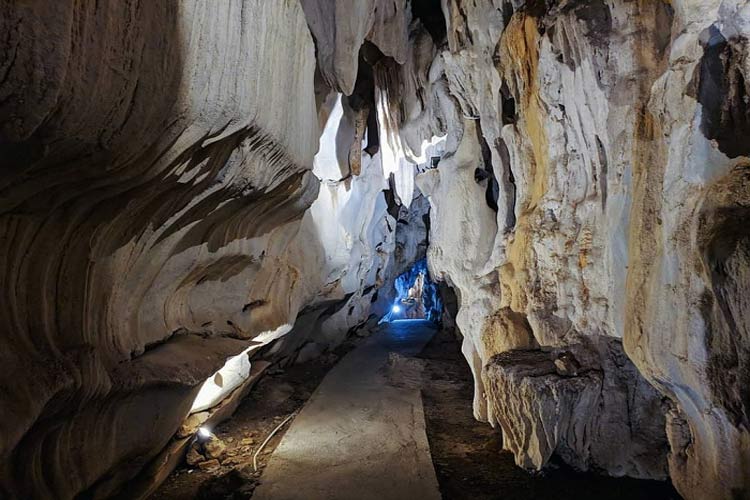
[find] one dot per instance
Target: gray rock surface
(362, 433)
(159, 209)
(162, 205)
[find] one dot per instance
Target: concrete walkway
(362, 433)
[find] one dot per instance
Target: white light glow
(396, 309)
(326, 162)
(433, 147)
(234, 372)
(204, 432)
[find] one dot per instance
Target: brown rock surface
(582, 171)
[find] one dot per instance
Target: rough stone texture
(595, 415)
(341, 26)
(531, 395)
(612, 130)
(157, 173)
(160, 205)
(214, 447)
(139, 172)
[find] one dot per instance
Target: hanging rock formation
(611, 262)
(582, 169)
(159, 210)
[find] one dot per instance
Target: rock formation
(159, 210)
(582, 169)
(611, 129)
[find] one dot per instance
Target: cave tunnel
(374, 249)
(417, 296)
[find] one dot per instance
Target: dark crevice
(509, 184)
(538, 8)
(430, 13)
(492, 192)
(725, 239)
(364, 92)
(373, 138)
(508, 115)
(597, 17)
(390, 199)
(507, 12)
(723, 93)
(363, 95)
(603, 165)
(252, 305)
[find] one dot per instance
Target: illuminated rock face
(162, 205)
(611, 131)
(159, 210)
(417, 296)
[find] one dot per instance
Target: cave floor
(391, 419)
(468, 455)
(277, 395)
(362, 434)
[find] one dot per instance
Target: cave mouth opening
(417, 296)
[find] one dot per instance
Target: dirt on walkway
(468, 455)
(362, 433)
(277, 395)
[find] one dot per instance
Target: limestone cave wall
(601, 300)
(162, 208)
(180, 179)
(587, 212)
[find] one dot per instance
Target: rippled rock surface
(587, 173)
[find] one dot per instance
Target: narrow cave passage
(384, 249)
(388, 415)
(417, 296)
(359, 434)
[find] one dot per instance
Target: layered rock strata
(585, 166)
(161, 208)
(611, 129)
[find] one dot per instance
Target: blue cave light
(417, 296)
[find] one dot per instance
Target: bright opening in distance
(204, 432)
(396, 309)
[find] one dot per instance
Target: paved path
(362, 433)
